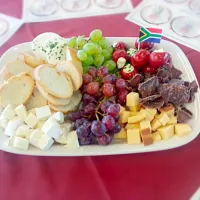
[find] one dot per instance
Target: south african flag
(150, 35)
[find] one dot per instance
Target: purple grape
(98, 128)
(82, 131)
(110, 79)
(116, 117)
(93, 72)
(83, 89)
(87, 78)
(109, 122)
(102, 71)
(84, 141)
(113, 110)
(98, 96)
(73, 116)
(105, 105)
(116, 129)
(79, 122)
(104, 139)
(88, 124)
(89, 109)
(88, 99)
(120, 84)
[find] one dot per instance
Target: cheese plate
(179, 60)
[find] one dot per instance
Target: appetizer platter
(96, 96)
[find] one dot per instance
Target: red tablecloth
(173, 174)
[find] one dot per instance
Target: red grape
(104, 105)
(116, 129)
(87, 78)
(102, 71)
(79, 122)
(82, 131)
(92, 88)
(109, 122)
(120, 84)
(144, 45)
(84, 141)
(120, 45)
(140, 58)
(93, 72)
(110, 79)
(104, 139)
(73, 116)
(116, 118)
(121, 96)
(98, 128)
(89, 109)
(157, 59)
(88, 99)
(118, 54)
(108, 90)
(113, 110)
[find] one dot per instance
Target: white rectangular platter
(180, 61)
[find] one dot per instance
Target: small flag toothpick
(150, 35)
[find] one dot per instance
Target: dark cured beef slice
(135, 81)
(157, 104)
(175, 73)
(149, 87)
(150, 98)
(148, 75)
(194, 86)
(192, 97)
(183, 116)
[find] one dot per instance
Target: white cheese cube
(35, 137)
(21, 143)
(65, 129)
(11, 141)
(31, 120)
(40, 125)
(12, 126)
(45, 142)
(2, 130)
(24, 131)
(8, 112)
(3, 122)
(21, 112)
(53, 130)
(72, 140)
(43, 113)
(1, 109)
(47, 123)
(59, 117)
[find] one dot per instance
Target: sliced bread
(36, 100)
(73, 104)
(72, 72)
(71, 55)
(17, 90)
(52, 99)
(53, 82)
(15, 68)
(32, 61)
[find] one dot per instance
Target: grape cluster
(94, 51)
(96, 122)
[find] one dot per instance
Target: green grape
(86, 68)
(82, 55)
(89, 60)
(106, 54)
(80, 41)
(98, 60)
(110, 64)
(96, 35)
(98, 50)
(110, 49)
(72, 42)
(103, 43)
(90, 48)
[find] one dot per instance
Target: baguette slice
(15, 68)
(17, 90)
(52, 99)
(73, 104)
(53, 82)
(36, 100)
(71, 55)
(72, 72)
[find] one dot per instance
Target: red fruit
(149, 69)
(120, 45)
(140, 58)
(93, 72)
(108, 90)
(118, 54)
(87, 78)
(102, 71)
(92, 88)
(127, 72)
(144, 45)
(120, 84)
(121, 96)
(157, 59)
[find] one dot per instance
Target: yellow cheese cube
(148, 116)
(169, 110)
(121, 134)
(152, 111)
(124, 117)
(182, 129)
(134, 108)
(156, 116)
(133, 136)
(145, 126)
(172, 120)
(156, 136)
(155, 124)
(132, 99)
(133, 114)
(136, 119)
(166, 132)
(163, 118)
(122, 109)
(147, 138)
(132, 126)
